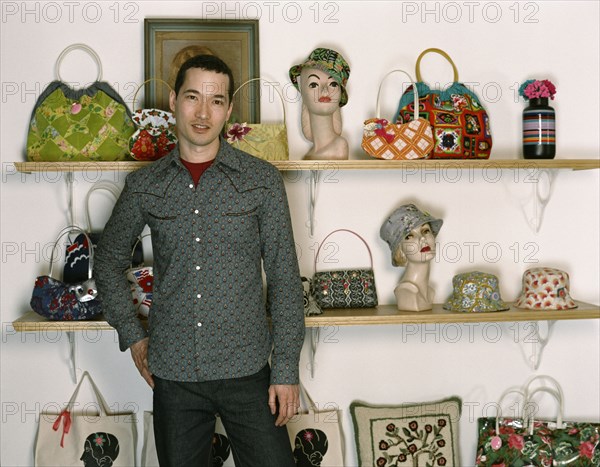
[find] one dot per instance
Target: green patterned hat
(328, 61)
(475, 292)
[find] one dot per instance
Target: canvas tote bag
(316, 435)
(86, 434)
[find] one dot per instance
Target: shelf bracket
(314, 342)
(70, 177)
(73, 355)
(533, 204)
(313, 184)
(537, 342)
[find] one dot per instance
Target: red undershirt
(196, 169)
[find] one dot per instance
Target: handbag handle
(557, 392)
(66, 231)
(111, 187)
(343, 230)
(104, 409)
(437, 51)
(83, 47)
(143, 84)
(304, 396)
(268, 82)
(499, 404)
(528, 413)
(415, 92)
(138, 240)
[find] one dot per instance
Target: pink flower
(237, 132)
(535, 89)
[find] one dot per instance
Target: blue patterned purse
(60, 301)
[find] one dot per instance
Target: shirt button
(196, 211)
(199, 295)
(191, 185)
(197, 268)
(197, 239)
(199, 325)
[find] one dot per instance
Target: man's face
(201, 108)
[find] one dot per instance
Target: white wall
(494, 45)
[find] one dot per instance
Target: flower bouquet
(537, 89)
(539, 128)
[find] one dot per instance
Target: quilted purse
(266, 141)
(461, 127)
(59, 301)
(385, 140)
(154, 136)
(141, 281)
(88, 124)
(344, 288)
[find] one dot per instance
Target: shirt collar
(225, 155)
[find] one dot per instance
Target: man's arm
(284, 287)
(112, 259)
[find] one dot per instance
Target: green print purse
(88, 124)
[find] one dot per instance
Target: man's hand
(139, 353)
(287, 396)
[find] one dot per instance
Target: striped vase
(539, 130)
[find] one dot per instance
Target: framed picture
(170, 42)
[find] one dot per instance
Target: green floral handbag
(88, 124)
(266, 141)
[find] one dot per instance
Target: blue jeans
(184, 422)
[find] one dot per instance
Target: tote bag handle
(268, 82)
(343, 230)
(66, 231)
(437, 51)
(415, 92)
(84, 48)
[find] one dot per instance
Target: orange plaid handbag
(385, 140)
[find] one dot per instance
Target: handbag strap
(143, 84)
(105, 185)
(557, 392)
(529, 406)
(104, 409)
(501, 399)
(268, 82)
(437, 51)
(83, 47)
(66, 231)
(304, 396)
(138, 240)
(343, 230)
(415, 92)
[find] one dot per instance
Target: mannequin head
(410, 233)
(417, 247)
(320, 92)
(331, 64)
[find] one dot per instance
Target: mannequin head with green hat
(321, 80)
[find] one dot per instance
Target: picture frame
(169, 42)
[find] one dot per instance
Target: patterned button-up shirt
(210, 314)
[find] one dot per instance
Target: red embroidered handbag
(461, 128)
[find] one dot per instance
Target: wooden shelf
(389, 314)
(353, 164)
(382, 315)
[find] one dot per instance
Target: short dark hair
(208, 63)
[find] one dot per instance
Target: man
(216, 215)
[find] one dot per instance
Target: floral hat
(404, 219)
(328, 61)
(545, 289)
(475, 292)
